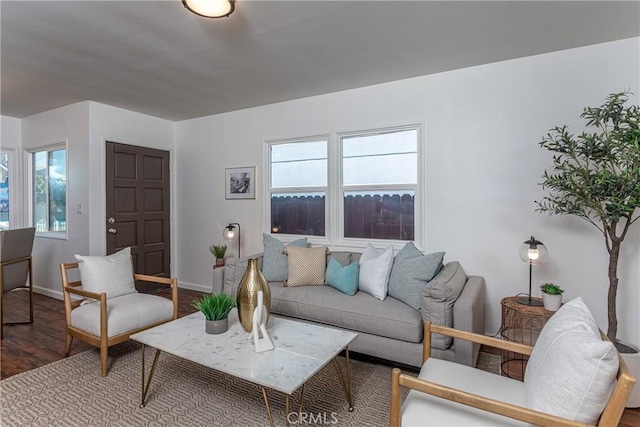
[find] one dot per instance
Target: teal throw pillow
(275, 265)
(344, 279)
(410, 273)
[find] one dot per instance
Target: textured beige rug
(71, 392)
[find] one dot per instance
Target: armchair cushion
(124, 313)
(572, 371)
(421, 409)
(112, 274)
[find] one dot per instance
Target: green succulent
(551, 289)
(218, 250)
(215, 306)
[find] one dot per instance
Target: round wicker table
(520, 323)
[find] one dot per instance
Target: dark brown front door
(138, 206)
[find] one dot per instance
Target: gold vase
(247, 297)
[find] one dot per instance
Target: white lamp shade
(210, 8)
(230, 233)
(533, 251)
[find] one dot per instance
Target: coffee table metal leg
(266, 403)
(346, 386)
(145, 388)
(286, 402)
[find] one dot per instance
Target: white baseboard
(195, 287)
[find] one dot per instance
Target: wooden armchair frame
(609, 417)
(103, 341)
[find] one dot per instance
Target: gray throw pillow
(275, 265)
(438, 299)
(410, 273)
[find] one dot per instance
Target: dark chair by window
(16, 267)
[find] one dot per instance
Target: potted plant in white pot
(551, 296)
(216, 309)
(218, 251)
(596, 177)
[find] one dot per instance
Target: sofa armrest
(468, 315)
(234, 270)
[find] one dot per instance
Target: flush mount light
(210, 8)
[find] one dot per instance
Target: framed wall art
(240, 183)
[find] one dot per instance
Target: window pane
(389, 158)
(57, 191)
(50, 190)
(299, 164)
(4, 190)
(298, 213)
(40, 191)
(379, 215)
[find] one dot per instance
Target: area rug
(71, 392)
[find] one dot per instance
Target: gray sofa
(388, 329)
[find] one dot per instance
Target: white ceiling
(157, 58)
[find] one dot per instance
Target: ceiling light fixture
(210, 8)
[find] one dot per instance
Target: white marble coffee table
(301, 350)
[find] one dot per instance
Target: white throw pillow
(375, 267)
(112, 274)
(572, 371)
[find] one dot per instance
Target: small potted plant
(216, 309)
(551, 296)
(218, 251)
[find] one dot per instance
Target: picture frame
(240, 183)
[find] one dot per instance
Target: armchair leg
(104, 352)
(67, 345)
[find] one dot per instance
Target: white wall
(85, 126)
(66, 124)
(482, 126)
(11, 142)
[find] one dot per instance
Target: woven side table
(522, 324)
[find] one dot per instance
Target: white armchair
(561, 387)
(111, 320)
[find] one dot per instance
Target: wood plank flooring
(30, 346)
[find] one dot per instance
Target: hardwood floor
(30, 346)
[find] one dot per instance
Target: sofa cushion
(361, 313)
(410, 273)
(344, 279)
(306, 266)
(572, 371)
(375, 267)
(112, 274)
(275, 266)
(438, 299)
(421, 409)
(124, 313)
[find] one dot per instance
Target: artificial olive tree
(596, 177)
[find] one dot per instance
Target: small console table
(522, 324)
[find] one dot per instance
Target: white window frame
(14, 189)
(268, 190)
(334, 206)
(62, 235)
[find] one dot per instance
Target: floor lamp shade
(232, 232)
(532, 252)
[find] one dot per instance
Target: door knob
(111, 220)
(112, 231)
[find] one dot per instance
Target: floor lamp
(232, 232)
(532, 252)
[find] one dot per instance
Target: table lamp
(232, 232)
(532, 252)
